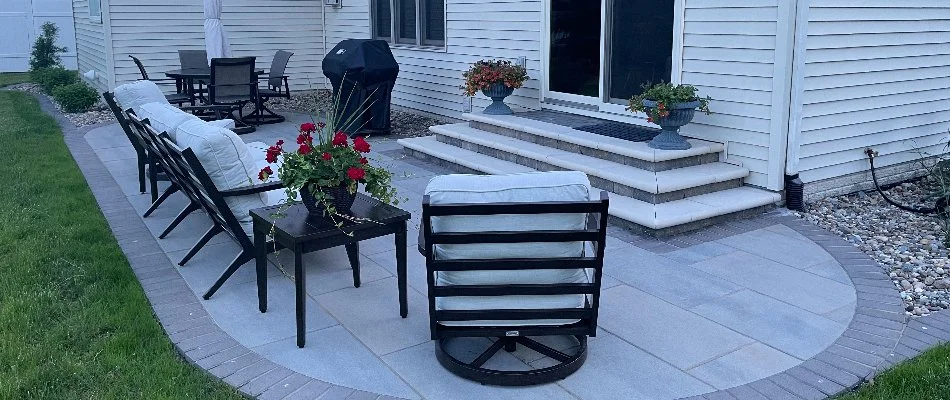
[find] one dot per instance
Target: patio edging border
(195, 336)
(879, 335)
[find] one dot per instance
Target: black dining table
(185, 79)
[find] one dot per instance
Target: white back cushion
(134, 94)
(227, 161)
(164, 117)
(515, 188)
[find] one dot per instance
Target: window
(95, 10)
(411, 22)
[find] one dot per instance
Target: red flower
(363, 160)
(272, 153)
(355, 173)
(265, 173)
(280, 142)
(327, 156)
(340, 139)
(304, 149)
(360, 145)
(308, 127)
(650, 119)
(304, 138)
(321, 125)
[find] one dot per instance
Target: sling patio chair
(510, 258)
(278, 86)
(194, 59)
(233, 85)
(179, 97)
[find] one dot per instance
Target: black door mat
(621, 130)
(598, 126)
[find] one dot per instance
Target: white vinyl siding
(91, 44)
(729, 53)
(430, 80)
(154, 32)
(877, 74)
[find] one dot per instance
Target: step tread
(654, 216)
(638, 150)
(647, 181)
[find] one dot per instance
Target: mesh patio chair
(512, 258)
(195, 59)
(233, 85)
(277, 87)
(179, 97)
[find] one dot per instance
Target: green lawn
(12, 78)
(74, 322)
(926, 377)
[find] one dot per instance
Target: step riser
(605, 155)
(689, 226)
(600, 183)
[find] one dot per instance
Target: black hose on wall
(939, 208)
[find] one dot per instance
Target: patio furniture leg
(141, 167)
(153, 180)
(353, 253)
(237, 263)
(161, 199)
(300, 284)
(401, 248)
(214, 230)
(180, 217)
(260, 254)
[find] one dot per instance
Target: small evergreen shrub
(75, 97)
(45, 51)
(51, 78)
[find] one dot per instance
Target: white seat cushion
(228, 162)
(134, 94)
(164, 117)
(515, 188)
(223, 123)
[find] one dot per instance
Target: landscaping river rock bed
(908, 245)
(97, 114)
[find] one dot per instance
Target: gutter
(794, 187)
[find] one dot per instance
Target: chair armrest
(253, 189)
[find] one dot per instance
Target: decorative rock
(942, 284)
(906, 285)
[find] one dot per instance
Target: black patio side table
(297, 230)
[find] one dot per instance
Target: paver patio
(686, 316)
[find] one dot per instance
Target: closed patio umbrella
(216, 42)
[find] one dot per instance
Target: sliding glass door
(604, 51)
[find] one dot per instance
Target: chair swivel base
(567, 363)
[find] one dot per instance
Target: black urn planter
(339, 196)
(497, 92)
(680, 115)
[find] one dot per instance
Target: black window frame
(395, 36)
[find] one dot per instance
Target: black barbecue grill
(362, 72)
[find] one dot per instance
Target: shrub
(51, 78)
(75, 97)
(45, 51)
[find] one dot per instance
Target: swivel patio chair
(179, 97)
(278, 86)
(511, 257)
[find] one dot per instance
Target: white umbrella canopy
(216, 42)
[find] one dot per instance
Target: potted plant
(326, 170)
(496, 79)
(669, 106)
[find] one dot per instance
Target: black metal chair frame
(180, 97)
(146, 162)
(261, 114)
(221, 109)
(193, 180)
(508, 337)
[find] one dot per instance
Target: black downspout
(794, 193)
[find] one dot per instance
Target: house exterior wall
(20, 24)
(429, 80)
(738, 53)
(155, 31)
(876, 73)
(92, 43)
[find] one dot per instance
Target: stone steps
(669, 217)
(645, 185)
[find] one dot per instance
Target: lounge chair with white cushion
(509, 258)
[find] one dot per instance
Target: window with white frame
(95, 10)
(410, 22)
